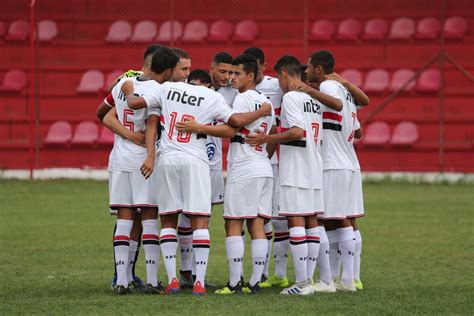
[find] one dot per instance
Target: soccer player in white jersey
(301, 196)
(182, 166)
(270, 88)
(183, 67)
(128, 190)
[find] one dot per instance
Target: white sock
(132, 253)
(281, 242)
(299, 252)
(323, 257)
(151, 247)
(234, 246)
(185, 238)
(357, 254)
(259, 249)
(347, 247)
(201, 248)
(334, 256)
(121, 249)
(168, 244)
(312, 239)
(242, 261)
(269, 234)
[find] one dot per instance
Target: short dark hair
(201, 75)
(222, 57)
(249, 63)
(164, 58)
(290, 64)
(181, 53)
(323, 58)
(150, 50)
(257, 53)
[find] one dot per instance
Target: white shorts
(276, 193)
(248, 198)
(356, 188)
(217, 186)
(184, 185)
(339, 194)
(131, 189)
(296, 201)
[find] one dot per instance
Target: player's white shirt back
(214, 144)
(338, 149)
(126, 155)
(300, 161)
(176, 101)
(245, 161)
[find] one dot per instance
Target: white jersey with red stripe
(177, 101)
(127, 156)
(300, 160)
(339, 127)
(214, 144)
(271, 89)
(245, 161)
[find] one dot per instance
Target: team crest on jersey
(211, 150)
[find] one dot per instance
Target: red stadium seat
(91, 82)
(455, 27)
(376, 134)
(14, 81)
(404, 134)
(170, 31)
(322, 30)
(106, 137)
(402, 28)
(349, 29)
(119, 32)
(428, 28)
(86, 133)
(111, 77)
(399, 78)
(429, 81)
(60, 133)
(195, 31)
(3, 29)
(19, 30)
(375, 29)
(246, 31)
(144, 32)
(220, 31)
(376, 81)
(47, 30)
(353, 76)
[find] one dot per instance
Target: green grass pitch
(56, 256)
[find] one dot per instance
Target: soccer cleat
(173, 287)
(301, 288)
(198, 289)
(273, 280)
(229, 290)
(340, 286)
(321, 287)
(136, 284)
(186, 279)
(153, 290)
(248, 289)
(358, 284)
(121, 290)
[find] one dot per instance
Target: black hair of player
(164, 58)
(249, 64)
(325, 59)
(201, 75)
(181, 53)
(222, 57)
(151, 49)
(257, 53)
(289, 64)
(303, 75)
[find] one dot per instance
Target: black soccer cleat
(121, 290)
(153, 290)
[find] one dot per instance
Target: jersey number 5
(182, 137)
(128, 124)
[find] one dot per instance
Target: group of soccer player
(166, 162)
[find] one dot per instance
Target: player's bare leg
(168, 244)
(201, 248)
(121, 248)
(357, 254)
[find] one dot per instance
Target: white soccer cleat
(303, 288)
(340, 286)
(321, 287)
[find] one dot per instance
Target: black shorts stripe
(201, 246)
(277, 239)
(297, 242)
(237, 139)
(296, 143)
(199, 136)
(168, 240)
(314, 241)
(121, 243)
(151, 242)
(185, 233)
(332, 126)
